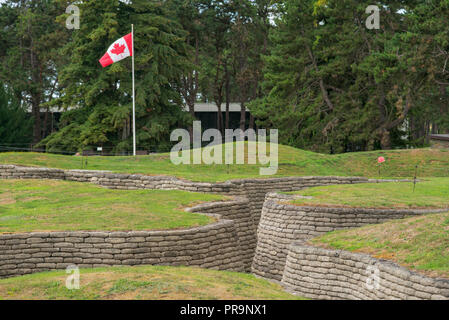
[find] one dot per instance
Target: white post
(134, 95)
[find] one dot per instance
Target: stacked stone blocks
(320, 273)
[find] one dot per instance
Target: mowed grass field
(46, 205)
(143, 282)
(292, 162)
(418, 243)
(428, 193)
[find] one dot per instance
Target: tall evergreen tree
(101, 97)
(187, 13)
(216, 17)
(30, 39)
(428, 35)
(333, 85)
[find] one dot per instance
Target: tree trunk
(324, 93)
(45, 125)
(36, 77)
(443, 107)
(385, 140)
(190, 101)
(251, 121)
(36, 111)
(227, 94)
(219, 117)
(242, 116)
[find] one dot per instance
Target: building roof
(444, 137)
(199, 107)
(212, 107)
(52, 109)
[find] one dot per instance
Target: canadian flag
(119, 50)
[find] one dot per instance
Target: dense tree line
(333, 85)
(310, 68)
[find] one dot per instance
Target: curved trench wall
(282, 224)
(215, 246)
(334, 274)
(229, 244)
(239, 212)
(246, 220)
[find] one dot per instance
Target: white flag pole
(134, 95)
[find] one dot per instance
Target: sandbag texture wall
(246, 218)
(282, 223)
(319, 273)
(215, 246)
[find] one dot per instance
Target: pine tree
(29, 60)
(101, 97)
(332, 85)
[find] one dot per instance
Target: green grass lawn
(45, 205)
(144, 282)
(419, 243)
(292, 162)
(429, 193)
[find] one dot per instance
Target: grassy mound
(419, 243)
(292, 162)
(45, 205)
(431, 193)
(144, 282)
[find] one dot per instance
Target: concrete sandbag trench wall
(319, 273)
(282, 254)
(244, 211)
(237, 241)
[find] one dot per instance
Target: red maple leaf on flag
(118, 49)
